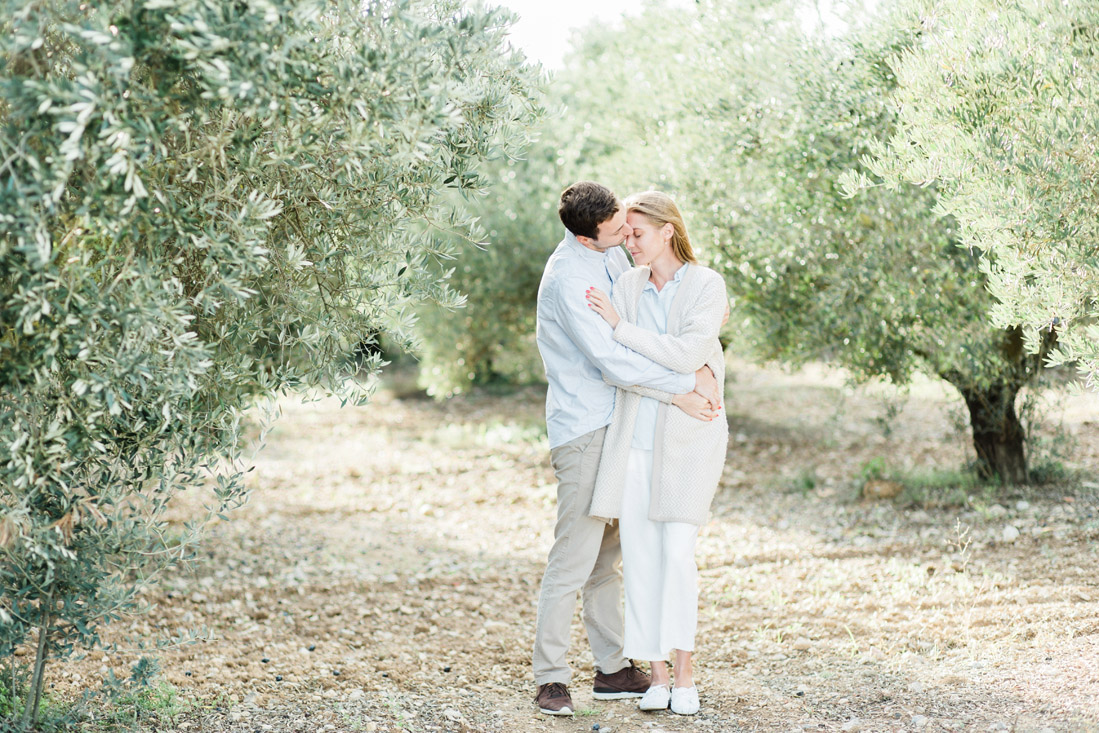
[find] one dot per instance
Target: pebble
(997, 510)
(802, 644)
(873, 654)
(355, 695)
(920, 721)
(1011, 533)
(1022, 506)
(916, 687)
(852, 726)
(452, 715)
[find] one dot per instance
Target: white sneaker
(656, 698)
(685, 700)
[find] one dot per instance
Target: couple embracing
(637, 435)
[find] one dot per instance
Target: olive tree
(876, 283)
(489, 339)
(203, 204)
(998, 106)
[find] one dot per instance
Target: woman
(660, 466)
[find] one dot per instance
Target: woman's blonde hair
(660, 209)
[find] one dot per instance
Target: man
(578, 350)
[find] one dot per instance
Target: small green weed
(158, 704)
(13, 696)
(873, 469)
(939, 487)
(805, 481)
(8, 688)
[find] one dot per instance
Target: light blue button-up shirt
(578, 347)
(652, 315)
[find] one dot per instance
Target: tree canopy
(997, 107)
(203, 204)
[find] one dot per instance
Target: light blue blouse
(652, 314)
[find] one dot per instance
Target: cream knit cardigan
(689, 454)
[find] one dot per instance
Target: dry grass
(404, 542)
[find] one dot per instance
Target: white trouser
(661, 578)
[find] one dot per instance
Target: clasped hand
(704, 403)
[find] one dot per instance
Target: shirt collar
(675, 278)
(589, 254)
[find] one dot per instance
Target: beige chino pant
(585, 557)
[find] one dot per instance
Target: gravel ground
(384, 575)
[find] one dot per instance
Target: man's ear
(584, 240)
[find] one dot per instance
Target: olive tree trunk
(998, 435)
(34, 692)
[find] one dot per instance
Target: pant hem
(551, 679)
(660, 657)
(619, 668)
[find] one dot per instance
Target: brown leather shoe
(626, 682)
(553, 699)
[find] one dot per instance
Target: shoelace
(556, 689)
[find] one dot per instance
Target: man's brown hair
(586, 205)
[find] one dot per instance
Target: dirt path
(384, 577)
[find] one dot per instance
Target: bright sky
(544, 26)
